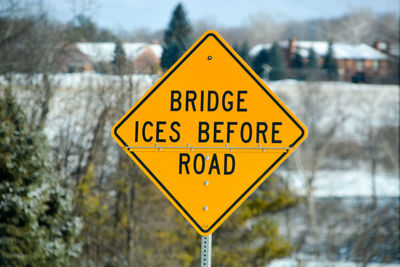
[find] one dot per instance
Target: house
(356, 63)
(141, 57)
(148, 61)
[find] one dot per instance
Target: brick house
(356, 63)
(148, 61)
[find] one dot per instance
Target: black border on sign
(159, 84)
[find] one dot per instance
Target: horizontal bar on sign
(201, 147)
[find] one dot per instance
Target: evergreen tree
(297, 61)
(312, 59)
(234, 243)
(170, 55)
(330, 63)
(261, 59)
(36, 223)
(176, 37)
(277, 63)
(119, 60)
(243, 51)
(249, 237)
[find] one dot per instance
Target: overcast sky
(155, 14)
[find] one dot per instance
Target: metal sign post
(206, 246)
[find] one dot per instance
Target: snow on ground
(294, 263)
(347, 183)
(362, 105)
(90, 80)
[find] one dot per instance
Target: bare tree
(378, 132)
(264, 29)
(355, 27)
(29, 46)
(323, 113)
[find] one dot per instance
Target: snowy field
(361, 104)
(347, 183)
(77, 81)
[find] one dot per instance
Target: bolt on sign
(209, 132)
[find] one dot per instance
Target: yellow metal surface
(208, 133)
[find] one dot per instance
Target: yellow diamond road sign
(208, 133)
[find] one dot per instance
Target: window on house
(360, 65)
(375, 65)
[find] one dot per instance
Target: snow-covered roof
(341, 50)
(105, 51)
(257, 49)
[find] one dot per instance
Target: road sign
(208, 133)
